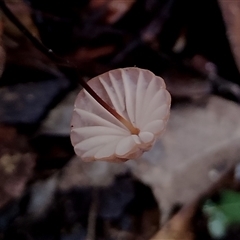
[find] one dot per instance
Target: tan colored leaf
(85, 54)
(20, 51)
(23, 12)
(180, 226)
(2, 50)
(115, 8)
(231, 15)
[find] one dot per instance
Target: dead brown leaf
(20, 50)
(185, 84)
(180, 226)
(231, 15)
(2, 50)
(88, 54)
(115, 9)
(23, 12)
(26, 55)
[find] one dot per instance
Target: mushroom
(121, 116)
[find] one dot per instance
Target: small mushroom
(123, 118)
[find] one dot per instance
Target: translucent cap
(138, 96)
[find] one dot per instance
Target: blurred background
(186, 187)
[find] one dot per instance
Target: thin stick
(60, 61)
(37, 43)
(92, 216)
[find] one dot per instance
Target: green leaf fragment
(223, 214)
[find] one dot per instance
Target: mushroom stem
(124, 121)
(127, 124)
(58, 60)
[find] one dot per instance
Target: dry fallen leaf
(185, 84)
(115, 9)
(231, 15)
(2, 50)
(23, 12)
(19, 49)
(180, 226)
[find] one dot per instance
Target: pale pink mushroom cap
(137, 95)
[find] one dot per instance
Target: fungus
(123, 116)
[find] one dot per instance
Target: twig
(92, 217)
(36, 42)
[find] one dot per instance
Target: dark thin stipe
(60, 61)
